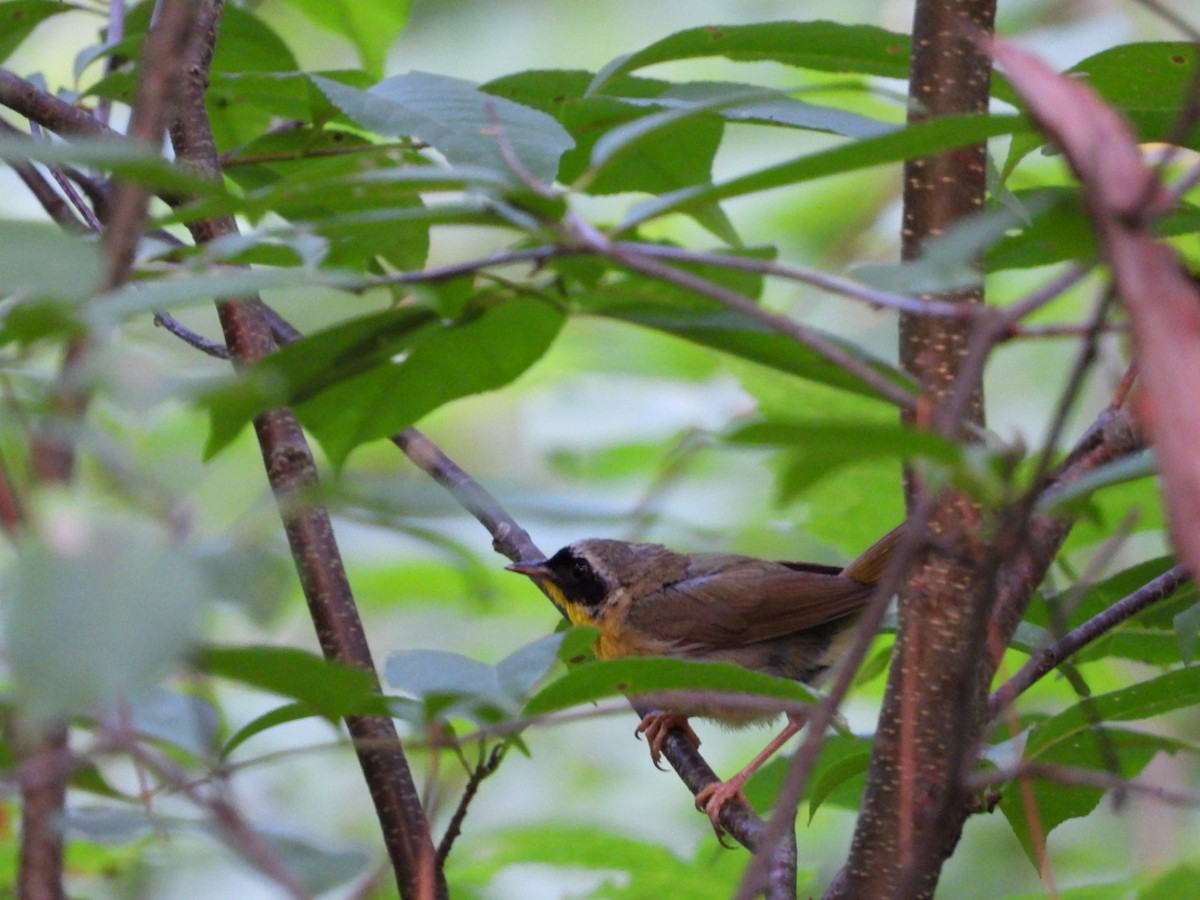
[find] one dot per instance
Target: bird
(789, 619)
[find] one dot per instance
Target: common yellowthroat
(793, 620)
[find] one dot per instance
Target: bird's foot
(655, 727)
(713, 799)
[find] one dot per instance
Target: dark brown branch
(912, 811)
(51, 201)
(1045, 661)
(292, 473)
(47, 110)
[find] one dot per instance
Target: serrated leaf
(601, 679)
(659, 162)
(823, 46)
(1055, 803)
(458, 119)
(330, 689)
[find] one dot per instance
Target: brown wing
(728, 601)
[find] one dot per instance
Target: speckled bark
(914, 808)
(950, 75)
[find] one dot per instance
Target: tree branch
(1045, 661)
(292, 473)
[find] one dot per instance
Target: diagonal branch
(1045, 661)
(291, 470)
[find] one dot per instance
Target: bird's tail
(871, 563)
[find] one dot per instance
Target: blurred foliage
(442, 242)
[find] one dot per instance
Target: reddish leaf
(1122, 196)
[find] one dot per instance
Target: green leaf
(648, 675)
(817, 448)
(950, 261)
(449, 684)
(443, 364)
(1121, 471)
(290, 712)
(124, 158)
(312, 364)
(837, 778)
(592, 864)
(1187, 627)
(330, 689)
(316, 868)
(1153, 697)
(624, 139)
(191, 288)
(1148, 82)
(665, 307)
(182, 720)
(518, 672)
(921, 139)
(458, 119)
(1152, 636)
(661, 161)
(24, 249)
(102, 608)
(1061, 230)
(1055, 803)
(19, 18)
(371, 27)
(823, 46)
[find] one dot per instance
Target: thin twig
(832, 283)
(454, 828)
(189, 337)
(236, 833)
(1045, 661)
(835, 353)
(1080, 777)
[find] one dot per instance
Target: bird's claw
(656, 725)
(712, 800)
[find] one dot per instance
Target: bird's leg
(712, 799)
(655, 726)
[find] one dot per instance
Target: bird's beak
(536, 569)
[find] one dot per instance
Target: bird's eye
(580, 570)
